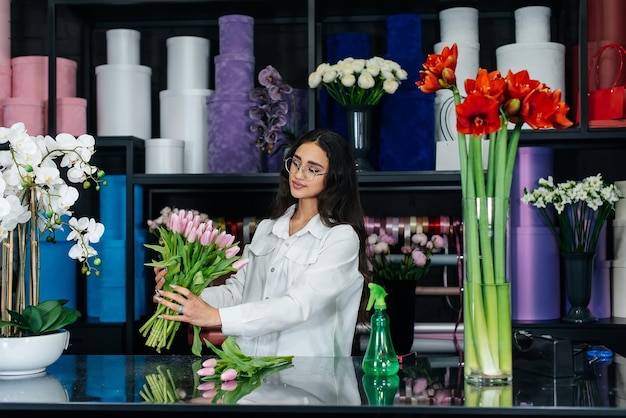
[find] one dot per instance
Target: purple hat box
(234, 74)
(231, 144)
(535, 257)
(236, 34)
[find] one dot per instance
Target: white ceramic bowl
(30, 355)
(37, 388)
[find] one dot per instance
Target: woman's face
(308, 171)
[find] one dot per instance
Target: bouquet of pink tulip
(195, 252)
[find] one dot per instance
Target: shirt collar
(315, 226)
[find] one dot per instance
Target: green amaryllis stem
(462, 147)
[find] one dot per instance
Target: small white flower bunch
(581, 208)
(33, 190)
(358, 81)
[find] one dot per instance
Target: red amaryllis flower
(539, 110)
(439, 70)
(490, 84)
(519, 84)
(477, 115)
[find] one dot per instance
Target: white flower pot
(30, 355)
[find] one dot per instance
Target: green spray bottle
(380, 357)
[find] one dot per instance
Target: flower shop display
(398, 274)
(492, 102)
(359, 85)
(35, 203)
(195, 252)
(576, 212)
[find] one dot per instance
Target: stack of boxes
(232, 147)
(183, 108)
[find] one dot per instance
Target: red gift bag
(607, 103)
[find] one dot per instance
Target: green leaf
(34, 319)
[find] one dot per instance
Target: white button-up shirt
(298, 295)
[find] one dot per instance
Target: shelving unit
(299, 28)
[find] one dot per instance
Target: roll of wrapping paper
(403, 228)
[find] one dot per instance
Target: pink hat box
(27, 110)
(30, 77)
(71, 115)
(5, 81)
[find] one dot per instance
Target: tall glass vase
(577, 274)
(359, 130)
(486, 292)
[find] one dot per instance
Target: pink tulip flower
(175, 223)
(206, 371)
(210, 362)
(228, 374)
(231, 252)
(222, 240)
(229, 385)
(209, 394)
(210, 385)
(240, 263)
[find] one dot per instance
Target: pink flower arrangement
(414, 261)
(195, 252)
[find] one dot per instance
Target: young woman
(301, 290)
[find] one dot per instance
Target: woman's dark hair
(339, 202)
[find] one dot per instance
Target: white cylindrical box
(164, 156)
(545, 61)
(123, 46)
(459, 24)
(618, 278)
(187, 62)
(619, 239)
(123, 100)
(620, 205)
(532, 24)
(183, 115)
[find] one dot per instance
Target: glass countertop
(429, 384)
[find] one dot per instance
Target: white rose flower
(366, 81)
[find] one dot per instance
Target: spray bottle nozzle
(377, 297)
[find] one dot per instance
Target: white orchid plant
(354, 81)
(36, 202)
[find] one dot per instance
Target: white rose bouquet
(358, 81)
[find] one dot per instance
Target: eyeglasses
(308, 172)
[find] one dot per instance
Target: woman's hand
(159, 278)
(189, 307)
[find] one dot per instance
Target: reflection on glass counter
(428, 382)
